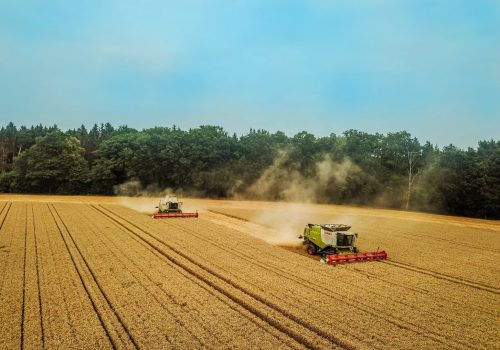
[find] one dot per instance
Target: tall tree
(54, 163)
(403, 154)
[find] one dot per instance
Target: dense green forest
(390, 170)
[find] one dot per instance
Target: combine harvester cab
(171, 207)
(335, 245)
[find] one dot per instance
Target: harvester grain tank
(171, 207)
(335, 245)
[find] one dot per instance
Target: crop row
(414, 281)
(457, 251)
(103, 276)
(390, 310)
(173, 306)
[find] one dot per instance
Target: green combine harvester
(335, 245)
(171, 207)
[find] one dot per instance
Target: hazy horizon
(428, 67)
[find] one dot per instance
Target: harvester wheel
(311, 249)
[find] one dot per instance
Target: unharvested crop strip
(455, 243)
(99, 256)
(457, 280)
(297, 337)
(55, 214)
(229, 215)
(424, 291)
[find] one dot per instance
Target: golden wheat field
(99, 273)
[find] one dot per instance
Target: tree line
(390, 170)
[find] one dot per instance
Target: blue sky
(429, 67)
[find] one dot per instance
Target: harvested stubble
(12, 261)
(68, 314)
(103, 276)
(172, 306)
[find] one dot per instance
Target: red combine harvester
(335, 245)
(170, 207)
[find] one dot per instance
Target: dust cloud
(140, 204)
(301, 193)
(280, 182)
(133, 195)
(281, 226)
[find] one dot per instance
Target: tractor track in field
(24, 276)
(9, 204)
(5, 213)
(97, 286)
(410, 326)
(442, 276)
(3, 207)
(55, 214)
(219, 296)
(146, 275)
(8, 251)
(37, 264)
(464, 244)
(239, 300)
(98, 243)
